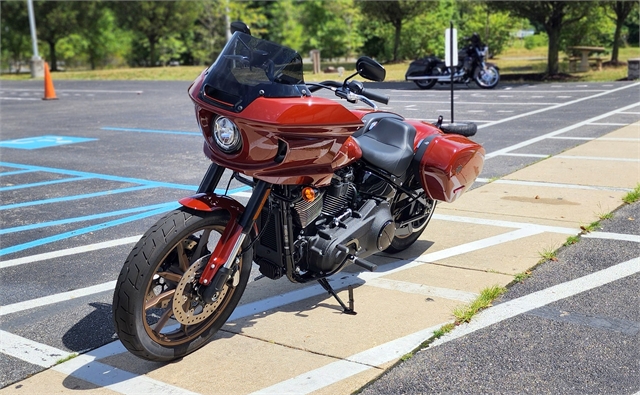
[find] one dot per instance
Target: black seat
(372, 118)
(388, 145)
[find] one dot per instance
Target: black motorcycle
(427, 71)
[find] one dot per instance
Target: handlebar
(375, 97)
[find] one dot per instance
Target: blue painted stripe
(11, 173)
(74, 197)
(101, 176)
(77, 232)
(38, 184)
(151, 131)
(87, 218)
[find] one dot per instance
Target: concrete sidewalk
(300, 342)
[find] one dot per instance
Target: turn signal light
(308, 194)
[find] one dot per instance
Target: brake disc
(188, 307)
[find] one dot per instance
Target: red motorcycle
(330, 187)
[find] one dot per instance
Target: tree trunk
(152, 52)
(53, 62)
(616, 41)
(554, 48)
(396, 43)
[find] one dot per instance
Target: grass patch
(632, 196)
(446, 328)
(67, 358)
(591, 227)
(488, 295)
(605, 216)
(548, 254)
(520, 277)
(571, 240)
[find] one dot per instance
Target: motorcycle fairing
(248, 68)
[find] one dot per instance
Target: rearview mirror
(239, 26)
(370, 69)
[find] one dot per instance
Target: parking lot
(82, 177)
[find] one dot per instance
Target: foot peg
(347, 310)
(355, 260)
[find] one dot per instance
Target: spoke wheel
(158, 312)
(486, 78)
(403, 209)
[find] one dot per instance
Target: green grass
(591, 227)
(488, 295)
(67, 358)
(516, 60)
(571, 240)
(632, 196)
(548, 254)
(520, 277)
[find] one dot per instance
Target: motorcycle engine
(365, 226)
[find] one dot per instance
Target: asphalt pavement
(586, 343)
(82, 177)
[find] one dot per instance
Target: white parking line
(598, 158)
(340, 370)
(69, 251)
(567, 104)
(337, 371)
(56, 298)
(541, 298)
(422, 289)
(557, 185)
(551, 134)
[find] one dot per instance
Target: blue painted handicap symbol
(42, 142)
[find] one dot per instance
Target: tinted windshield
(248, 68)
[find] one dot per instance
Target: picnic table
(584, 56)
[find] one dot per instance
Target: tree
(56, 20)
(155, 21)
(621, 9)
(552, 16)
(395, 13)
(330, 26)
(493, 27)
(14, 34)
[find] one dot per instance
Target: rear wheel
(157, 308)
(411, 218)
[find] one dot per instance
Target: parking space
(106, 160)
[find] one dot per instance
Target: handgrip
(375, 97)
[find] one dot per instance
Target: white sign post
(451, 47)
(451, 56)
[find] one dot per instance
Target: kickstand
(347, 310)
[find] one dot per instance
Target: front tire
(486, 78)
(157, 287)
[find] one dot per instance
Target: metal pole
(452, 65)
(32, 25)
(37, 64)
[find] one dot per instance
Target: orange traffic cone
(49, 91)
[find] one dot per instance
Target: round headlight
(226, 135)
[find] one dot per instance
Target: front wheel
(157, 308)
(486, 78)
(411, 217)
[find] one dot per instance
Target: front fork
(220, 265)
